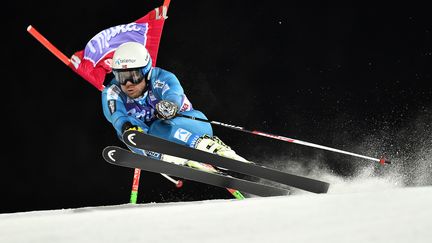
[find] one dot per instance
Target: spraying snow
(411, 157)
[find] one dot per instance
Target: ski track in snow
(387, 215)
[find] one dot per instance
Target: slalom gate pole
(48, 45)
(236, 193)
(137, 173)
(135, 185)
(285, 139)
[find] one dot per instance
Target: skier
(147, 99)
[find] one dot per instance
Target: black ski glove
(166, 110)
(128, 126)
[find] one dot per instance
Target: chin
(133, 96)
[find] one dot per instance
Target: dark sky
(337, 76)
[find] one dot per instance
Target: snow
(396, 214)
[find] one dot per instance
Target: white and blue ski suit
(118, 109)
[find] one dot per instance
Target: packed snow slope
(389, 215)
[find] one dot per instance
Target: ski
(122, 157)
(152, 143)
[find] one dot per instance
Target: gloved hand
(166, 109)
(127, 126)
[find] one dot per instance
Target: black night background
(357, 79)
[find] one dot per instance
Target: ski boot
(216, 146)
(208, 144)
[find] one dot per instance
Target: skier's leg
(193, 133)
(182, 130)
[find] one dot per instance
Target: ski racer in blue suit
(147, 99)
(130, 100)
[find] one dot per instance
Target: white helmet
(131, 55)
(131, 62)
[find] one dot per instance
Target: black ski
(152, 143)
(122, 157)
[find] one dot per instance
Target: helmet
(131, 56)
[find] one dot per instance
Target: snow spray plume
(410, 147)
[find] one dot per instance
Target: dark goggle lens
(133, 76)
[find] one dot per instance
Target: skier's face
(134, 90)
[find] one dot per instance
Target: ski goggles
(134, 76)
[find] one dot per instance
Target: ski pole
(285, 139)
(178, 183)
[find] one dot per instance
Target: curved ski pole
(178, 183)
(285, 139)
(135, 184)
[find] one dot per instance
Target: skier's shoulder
(112, 91)
(162, 74)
